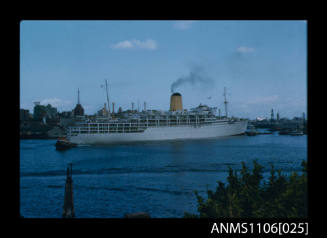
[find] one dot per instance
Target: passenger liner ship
(175, 124)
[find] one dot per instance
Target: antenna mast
(225, 102)
(107, 98)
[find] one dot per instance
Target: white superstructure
(200, 122)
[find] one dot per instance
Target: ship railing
(99, 128)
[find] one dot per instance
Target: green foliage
(246, 196)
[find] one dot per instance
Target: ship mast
(107, 98)
(225, 102)
(78, 102)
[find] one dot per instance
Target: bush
(246, 196)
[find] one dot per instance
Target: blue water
(158, 178)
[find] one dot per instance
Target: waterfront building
(66, 114)
(65, 122)
(24, 114)
(41, 111)
(56, 132)
(103, 112)
(297, 119)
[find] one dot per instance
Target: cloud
(136, 44)
(122, 45)
(263, 100)
(244, 49)
(183, 25)
(56, 102)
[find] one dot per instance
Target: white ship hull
(218, 129)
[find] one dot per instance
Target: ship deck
(139, 125)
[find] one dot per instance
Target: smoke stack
(176, 102)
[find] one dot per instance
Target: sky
(262, 64)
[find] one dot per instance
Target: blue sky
(263, 64)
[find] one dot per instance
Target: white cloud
(56, 102)
(263, 100)
(148, 44)
(136, 44)
(122, 45)
(244, 49)
(183, 25)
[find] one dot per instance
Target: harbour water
(158, 177)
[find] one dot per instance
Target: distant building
(66, 122)
(272, 115)
(24, 114)
(41, 112)
(78, 110)
(56, 132)
(284, 119)
(103, 112)
(66, 114)
(297, 119)
(261, 118)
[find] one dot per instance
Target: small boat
(290, 132)
(285, 131)
(251, 131)
(64, 144)
(265, 133)
(273, 129)
(296, 133)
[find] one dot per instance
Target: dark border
(193, 227)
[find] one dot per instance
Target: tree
(246, 196)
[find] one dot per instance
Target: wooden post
(68, 211)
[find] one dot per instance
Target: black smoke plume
(197, 76)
